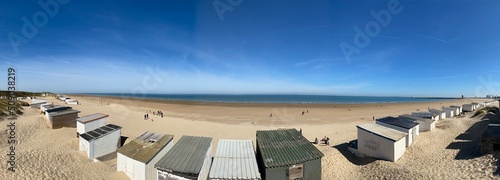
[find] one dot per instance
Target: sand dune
(446, 153)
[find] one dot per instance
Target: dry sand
(449, 152)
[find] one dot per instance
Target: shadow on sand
(342, 148)
(469, 145)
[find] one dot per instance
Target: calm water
(296, 99)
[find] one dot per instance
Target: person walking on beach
(302, 112)
(300, 131)
(271, 115)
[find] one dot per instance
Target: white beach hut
(410, 128)
(37, 105)
(88, 123)
(475, 106)
(424, 124)
(449, 112)
(234, 159)
(458, 109)
(381, 142)
(100, 141)
(428, 115)
(34, 101)
(190, 158)
(138, 157)
(72, 101)
(442, 114)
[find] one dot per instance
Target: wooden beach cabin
(62, 118)
(441, 113)
(90, 122)
(424, 124)
(381, 142)
(189, 158)
(410, 128)
(286, 154)
(100, 141)
(234, 159)
(138, 157)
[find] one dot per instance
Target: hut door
(295, 172)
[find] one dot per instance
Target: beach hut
(36, 105)
(62, 118)
(424, 124)
(458, 109)
(428, 115)
(286, 154)
(410, 128)
(54, 109)
(190, 158)
(72, 101)
(138, 157)
(449, 112)
(468, 108)
(44, 107)
(90, 122)
(475, 106)
(34, 101)
(441, 113)
(234, 159)
(100, 141)
(381, 142)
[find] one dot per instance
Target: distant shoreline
(251, 104)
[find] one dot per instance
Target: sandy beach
(44, 153)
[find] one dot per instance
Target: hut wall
(106, 144)
(67, 120)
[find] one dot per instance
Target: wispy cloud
(427, 36)
(318, 62)
(61, 61)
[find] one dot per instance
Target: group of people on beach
(158, 113)
(155, 113)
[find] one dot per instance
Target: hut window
(295, 172)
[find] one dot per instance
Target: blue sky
(427, 48)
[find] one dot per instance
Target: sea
(292, 99)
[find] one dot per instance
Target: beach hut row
(280, 154)
(389, 137)
(67, 99)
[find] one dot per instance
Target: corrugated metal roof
(398, 122)
(285, 147)
(436, 111)
(415, 118)
(234, 159)
(92, 117)
(64, 112)
(383, 131)
(58, 108)
(186, 156)
(146, 146)
(100, 132)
